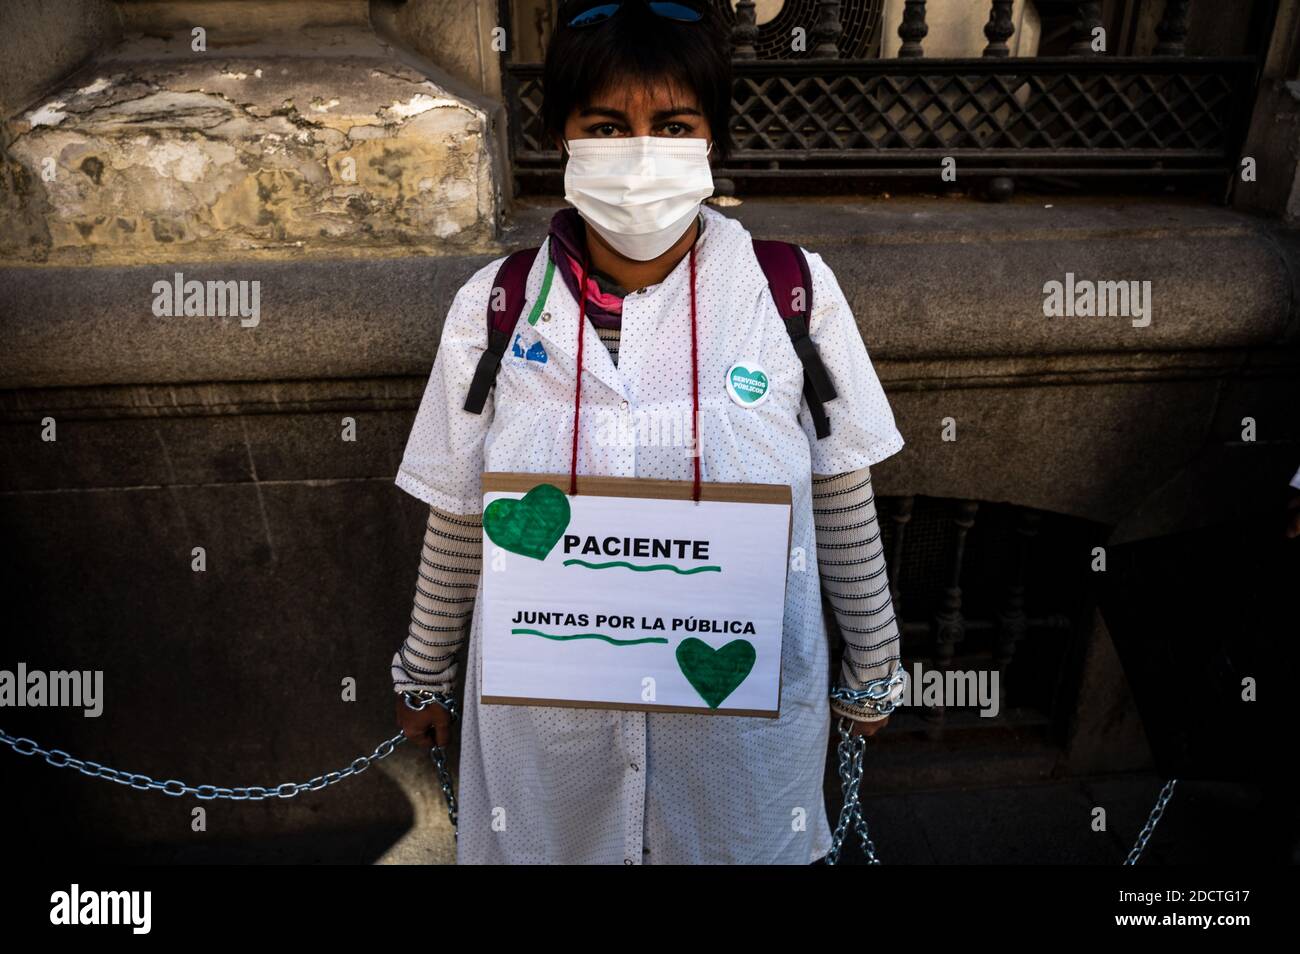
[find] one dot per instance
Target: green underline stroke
(644, 569)
(609, 639)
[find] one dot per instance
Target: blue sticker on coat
(535, 353)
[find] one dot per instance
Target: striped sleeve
(444, 602)
(851, 560)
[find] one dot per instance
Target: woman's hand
(867, 729)
(423, 726)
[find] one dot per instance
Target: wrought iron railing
(995, 588)
(838, 110)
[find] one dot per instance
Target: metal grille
(802, 115)
(1066, 115)
(1030, 108)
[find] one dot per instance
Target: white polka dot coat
(598, 786)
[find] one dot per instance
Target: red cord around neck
(696, 450)
(577, 388)
(695, 383)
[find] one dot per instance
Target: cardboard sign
(630, 595)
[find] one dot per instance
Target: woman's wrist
(874, 699)
(857, 713)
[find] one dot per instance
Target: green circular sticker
(747, 384)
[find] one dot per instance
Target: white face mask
(640, 193)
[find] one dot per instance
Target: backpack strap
(790, 281)
(512, 282)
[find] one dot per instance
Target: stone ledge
(931, 281)
(1137, 431)
(214, 398)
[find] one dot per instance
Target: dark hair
(636, 46)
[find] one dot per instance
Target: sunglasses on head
(592, 12)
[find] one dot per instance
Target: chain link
(137, 780)
(850, 751)
(421, 699)
(1153, 819)
(880, 696)
(876, 696)
(253, 793)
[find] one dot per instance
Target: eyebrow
(660, 114)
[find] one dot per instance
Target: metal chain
(851, 751)
(422, 699)
(137, 780)
(1153, 819)
(876, 696)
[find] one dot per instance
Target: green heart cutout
(715, 673)
(748, 396)
(531, 525)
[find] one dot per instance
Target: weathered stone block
(334, 145)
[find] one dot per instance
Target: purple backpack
(784, 266)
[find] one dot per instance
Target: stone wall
(305, 134)
(41, 43)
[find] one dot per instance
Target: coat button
(546, 316)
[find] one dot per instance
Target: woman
(637, 100)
